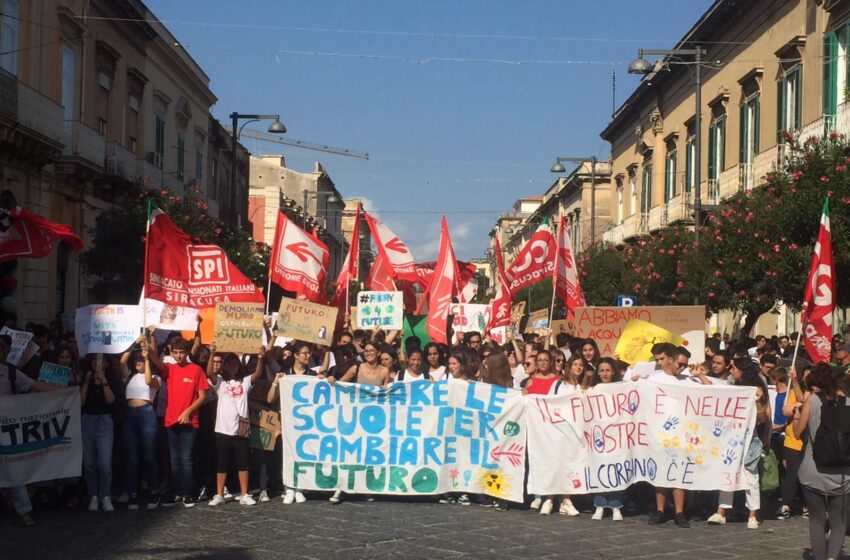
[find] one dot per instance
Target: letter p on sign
(207, 265)
(626, 301)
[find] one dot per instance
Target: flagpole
(555, 276)
(794, 359)
(271, 252)
(144, 313)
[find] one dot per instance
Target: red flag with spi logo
(567, 286)
(819, 300)
(180, 272)
(535, 261)
(299, 261)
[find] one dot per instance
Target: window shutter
(781, 106)
(721, 145)
(712, 151)
(830, 74)
(798, 102)
(742, 149)
(756, 124)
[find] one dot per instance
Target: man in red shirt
(186, 386)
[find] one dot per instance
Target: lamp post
(559, 168)
(642, 67)
(276, 127)
(331, 199)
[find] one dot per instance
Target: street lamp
(276, 127)
(559, 168)
(331, 199)
(642, 67)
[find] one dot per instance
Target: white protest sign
(672, 435)
(380, 309)
(469, 317)
(170, 317)
(107, 329)
(411, 439)
(22, 347)
(40, 439)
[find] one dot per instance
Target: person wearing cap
(22, 384)
(842, 356)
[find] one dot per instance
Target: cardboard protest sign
(107, 329)
(265, 427)
(635, 344)
(517, 313)
(380, 309)
(306, 321)
(606, 324)
(412, 439)
(41, 437)
(170, 317)
(414, 325)
(538, 319)
(22, 347)
(55, 374)
(560, 326)
(238, 327)
(470, 317)
(670, 434)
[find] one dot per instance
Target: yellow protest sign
(306, 321)
(635, 344)
(238, 327)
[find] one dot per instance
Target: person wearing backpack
(825, 470)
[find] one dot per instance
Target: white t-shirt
(438, 374)
(232, 403)
(138, 389)
(519, 376)
(22, 381)
(410, 377)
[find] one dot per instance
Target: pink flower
(797, 175)
(824, 179)
(841, 168)
(833, 135)
(637, 287)
(218, 231)
(710, 294)
(671, 252)
(750, 217)
(742, 293)
(792, 246)
(776, 248)
(680, 284)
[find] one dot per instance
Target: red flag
(819, 301)
(24, 234)
(535, 261)
(443, 288)
(182, 273)
(500, 308)
(567, 286)
(381, 276)
(299, 261)
(348, 272)
(395, 252)
(425, 273)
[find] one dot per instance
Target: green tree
(115, 258)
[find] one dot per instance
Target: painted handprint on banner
(670, 423)
(729, 457)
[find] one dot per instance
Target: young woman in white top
(435, 361)
(140, 424)
(231, 422)
(413, 372)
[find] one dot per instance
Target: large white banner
(40, 437)
(411, 439)
(673, 435)
(107, 329)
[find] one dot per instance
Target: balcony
(729, 183)
(39, 113)
(120, 162)
(678, 208)
(655, 218)
(84, 144)
(30, 123)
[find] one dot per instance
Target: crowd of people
(167, 422)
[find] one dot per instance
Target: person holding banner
(97, 398)
(370, 371)
(413, 371)
(187, 387)
(232, 425)
(590, 354)
(140, 424)
(607, 372)
(436, 361)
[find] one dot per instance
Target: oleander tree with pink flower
(755, 249)
(114, 257)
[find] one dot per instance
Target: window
(716, 147)
(213, 185)
(133, 105)
(749, 129)
(789, 96)
(69, 82)
(160, 139)
(102, 109)
(646, 189)
(181, 155)
(199, 165)
(9, 35)
(836, 45)
(670, 175)
(633, 191)
(690, 168)
(619, 201)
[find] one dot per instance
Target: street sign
(626, 301)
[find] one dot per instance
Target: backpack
(831, 446)
(769, 478)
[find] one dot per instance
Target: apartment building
(97, 96)
(310, 199)
(770, 65)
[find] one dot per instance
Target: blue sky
(431, 90)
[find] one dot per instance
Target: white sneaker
(335, 499)
(106, 504)
(264, 497)
(752, 523)
(216, 501)
(247, 500)
(289, 496)
(299, 497)
(536, 502)
(93, 503)
(618, 515)
(567, 508)
(124, 498)
(597, 515)
(226, 494)
(717, 519)
(546, 508)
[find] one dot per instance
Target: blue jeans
(181, 443)
(613, 500)
(140, 433)
(97, 454)
(21, 500)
